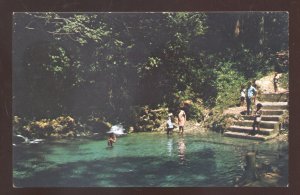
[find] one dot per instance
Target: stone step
(247, 136)
(264, 117)
(243, 129)
(273, 112)
(263, 124)
(274, 105)
(274, 97)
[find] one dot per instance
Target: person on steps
(251, 92)
(257, 118)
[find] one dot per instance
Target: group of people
(181, 122)
(249, 94)
(170, 126)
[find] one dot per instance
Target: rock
(131, 129)
(19, 139)
(70, 134)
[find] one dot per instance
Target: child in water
(170, 125)
(111, 139)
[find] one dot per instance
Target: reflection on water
(181, 150)
(139, 160)
(170, 145)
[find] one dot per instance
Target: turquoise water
(139, 160)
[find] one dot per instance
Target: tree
(105, 64)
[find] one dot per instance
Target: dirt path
(265, 84)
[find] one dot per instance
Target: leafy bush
(217, 121)
(284, 81)
(150, 119)
(196, 111)
(63, 126)
(228, 85)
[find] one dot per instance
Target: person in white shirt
(243, 95)
(251, 92)
(170, 125)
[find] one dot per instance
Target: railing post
(251, 166)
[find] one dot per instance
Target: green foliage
(282, 61)
(218, 121)
(228, 84)
(196, 111)
(107, 64)
(284, 81)
(63, 126)
(147, 119)
(189, 99)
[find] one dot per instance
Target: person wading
(181, 120)
(170, 125)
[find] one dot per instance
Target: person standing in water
(181, 120)
(170, 125)
(111, 139)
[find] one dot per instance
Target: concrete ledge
(274, 105)
(247, 136)
(247, 130)
(263, 124)
(264, 117)
(273, 112)
(274, 97)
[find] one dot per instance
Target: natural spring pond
(141, 160)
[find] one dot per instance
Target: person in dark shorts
(251, 92)
(257, 118)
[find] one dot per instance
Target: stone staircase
(274, 106)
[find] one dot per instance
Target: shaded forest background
(109, 65)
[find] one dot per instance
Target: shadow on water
(127, 171)
(171, 161)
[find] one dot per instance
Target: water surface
(139, 160)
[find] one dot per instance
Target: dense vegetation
(110, 65)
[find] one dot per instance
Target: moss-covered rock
(63, 126)
(60, 127)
